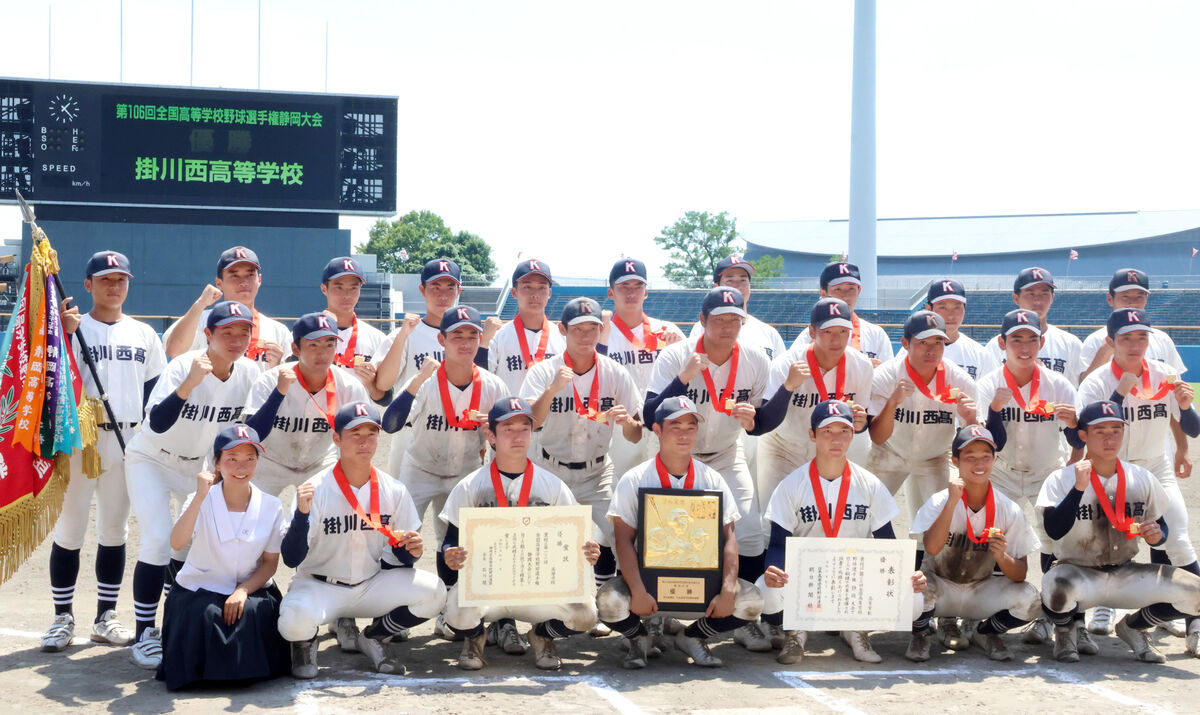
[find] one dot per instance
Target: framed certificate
(525, 556)
(848, 584)
(680, 546)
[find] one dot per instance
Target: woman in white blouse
(221, 614)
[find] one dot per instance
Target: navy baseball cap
(1127, 320)
(1129, 279)
(314, 326)
(946, 290)
(969, 434)
(627, 269)
(235, 255)
(672, 408)
(235, 436)
(1020, 319)
(723, 300)
(840, 272)
(1094, 413)
(441, 268)
(830, 313)
(831, 411)
(924, 324)
(461, 315)
(228, 312)
(1031, 277)
(106, 262)
(355, 414)
(532, 267)
(580, 310)
(507, 408)
(734, 261)
(344, 266)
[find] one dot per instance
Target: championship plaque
(680, 546)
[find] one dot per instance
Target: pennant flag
(1074, 255)
(1194, 251)
(845, 256)
(403, 255)
(40, 390)
(954, 256)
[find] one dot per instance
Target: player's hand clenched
(209, 295)
(744, 413)
(201, 368)
(605, 326)
(997, 543)
(955, 489)
(204, 482)
(69, 316)
(491, 326)
(304, 497)
(696, 364)
(366, 374)
(618, 415)
(456, 557)
(562, 378)
(410, 324)
(273, 354)
(798, 372)
(1151, 532)
(285, 380)
(1184, 393)
(721, 606)
(967, 411)
(1083, 474)
(669, 337)
(591, 552)
(919, 582)
(1001, 398)
(235, 605)
(1127, 383)
(412, 542)
(860, 417)
(904, 388)
(642, 604)
(1183, 464)
(1065, 413)
(775, 577)
(428, 367)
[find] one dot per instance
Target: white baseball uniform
(421, 344)
(504, 352)
(300, 442)
(367, 342)
(639, 362)
(269, 331)
(1060, 352)
(873, 340)
(341, 576)
(1162, 348)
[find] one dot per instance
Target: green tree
(766, 268)
(696, 242)
(423, 236)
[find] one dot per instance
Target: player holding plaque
(624, 602)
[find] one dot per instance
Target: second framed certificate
(680, 546)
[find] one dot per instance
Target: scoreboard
(180, 147)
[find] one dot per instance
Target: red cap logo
(235, 309)
(629, 267)
(239, 252)
(1106, 408)
(930, 321)
(243, 432)
(585, 307)
(727, 297)
(534, 265)
(976, 431)
(1022, 317)
(834, 309)
(844, 269)
(514, 403)
(834, 410)
(360, 410)
(683, 404)
(947, 287)
(322, 322)
(348, 265)
(1131, 277)
(112, 261)
(443, 266)
(1132, 316)
(463, 313)
(1038, 275)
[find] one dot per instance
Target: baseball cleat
(659, 643)
(492, 629)
(109, 630)
(147, 652)
(950, 635)
(304, 659)
(509, 640)
(1101, 622)
(919, 646)
(471, 657)
(639, 652)
(1084, 642)
(991, 644)
(1066, 649)
(751, 637)
(698, 650)
(860, 645)
(600, 631)
(1038, 632)
(440, 628)
(1138, 642)
(545, 655)
(1177, 628)
(346, 631)
(60, 633)
(1193, 638)
(373, 649)
(775, 633)
(793, 647)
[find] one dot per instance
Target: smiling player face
(461, 343)
(238, 464)
(975, 462)
(1021, 347)
(229, 342)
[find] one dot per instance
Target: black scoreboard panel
(134, 145)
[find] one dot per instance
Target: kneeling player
(796, 510)
(969, 530)
(624, 601)
(337, 560)
(1095, 510)
(511, 480)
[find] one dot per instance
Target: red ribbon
(1163, 387)
(371, 518)
(839, 384)
(653, 340)
(540, 355)
(1035, 406)
(943, 393)
(590, 412)
(727, 393)
(664, 476)
(1111, 510)
(989, 518)
(330, 395)
(526, 485)
(831, 527)
(452, 417)
(346, 359)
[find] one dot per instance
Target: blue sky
(576, 131)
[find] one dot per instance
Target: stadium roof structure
(974, 235)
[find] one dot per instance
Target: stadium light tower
(862, 153)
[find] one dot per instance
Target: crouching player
(864, 508)
(510, 480)
(1096, 510)
(623, 602)
(969, 530)
(344, 517)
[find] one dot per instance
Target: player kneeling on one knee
(511, 479)
(1096, 510)
(799, 507)
(624, 602)
(968, 531)
(344, 518)
(221, 616)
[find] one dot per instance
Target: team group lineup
(230, 407)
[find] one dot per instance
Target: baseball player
(358, 341)
(948, 298)
(1034, 290)
(345, 519)
(859, 506)
(969, 532)
(633, 340)
(1036, 407)
(578, 398)
(736, 272)
(1152, 397)
(1096, 510)
(239, 277)
(623, 602)
(1128, 288)
(529, 338)
(843, 281)
(511, 479)
(199, 393)
(129, 358)
(915, 402)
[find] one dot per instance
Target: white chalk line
(77, 640)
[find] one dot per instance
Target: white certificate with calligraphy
(849, 584)
(525, 556)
